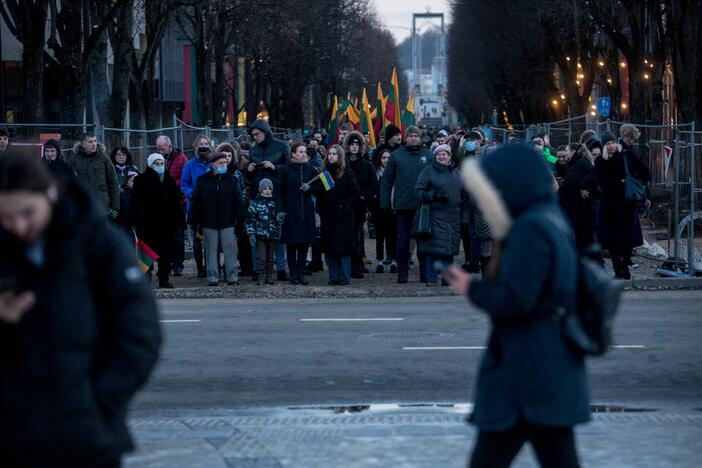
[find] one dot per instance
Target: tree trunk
(122, 68)
(33, 74)
(101, 87)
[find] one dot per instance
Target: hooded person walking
(532, 383)
(95, 170)
(54, 159)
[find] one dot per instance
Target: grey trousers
(227, 239)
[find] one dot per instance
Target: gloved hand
(113, 214)
(280, 217)
(305, 187)
(440, 197)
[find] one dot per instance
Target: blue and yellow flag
(327, 180)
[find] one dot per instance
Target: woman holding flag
(336, 202)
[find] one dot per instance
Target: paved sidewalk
(392, 435)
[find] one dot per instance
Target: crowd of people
(272, 210)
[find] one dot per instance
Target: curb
(647, 284)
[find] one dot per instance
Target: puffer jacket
(261, 219)
(440, 186)
(402, 173)
(98, 174)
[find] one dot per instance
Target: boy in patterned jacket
(263, 224)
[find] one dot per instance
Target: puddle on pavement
(619, 409)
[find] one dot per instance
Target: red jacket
(175, 164)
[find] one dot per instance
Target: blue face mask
(471, 145)
(221, 170)
(160, 170)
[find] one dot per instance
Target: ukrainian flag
(327, 180)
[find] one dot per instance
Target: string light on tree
(623, 64)
(601, 63)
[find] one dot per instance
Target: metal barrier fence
(673, 154)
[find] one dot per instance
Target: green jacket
(400, 177)
(97, 174)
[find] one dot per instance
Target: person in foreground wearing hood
(440, 185)
(355, 148)
(295, 193)
(266, 157)
(263, 224)
(398, 185)
(54, 159)
(336, 208)
(532, 383)
(618, 217)
(193, 169)
(155, 213)
(79, 330)
(216, 206)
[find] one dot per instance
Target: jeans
(431, 271)
(280, 263)
(404, 227)
(297, 257)
(554, 446)
(339, 268)
(227, 239)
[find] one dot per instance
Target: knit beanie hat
(412, 130)
(443, 147)
(443, 133)
(593, 143)
(216, 156)
(606, 137)
(153, 157)
(390, 131)
(265, 183)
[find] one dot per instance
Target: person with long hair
(384, 221)
(336, 210)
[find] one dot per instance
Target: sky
(397, 14)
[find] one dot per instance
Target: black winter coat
(616, 218)
(336, 208)
(529, 372)
(155, 211)
(275, 151)
(61, 169)
(70, 366)
(440, 186)
(299, 227)
(216, 201)
(580, 175)
(402, 173)
(366, 180)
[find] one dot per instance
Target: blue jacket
(529, 371)
(192, 170)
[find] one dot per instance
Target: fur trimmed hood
(506, 182)
(355, 135)
(78, 148)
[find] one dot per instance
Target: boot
(617, 267)
(484, 262)
(402, 277)
(282, 275)
(269, 278)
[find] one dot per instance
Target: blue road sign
(604, 106)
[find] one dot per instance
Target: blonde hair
(342, 160)
(629, 129)
(199, 138)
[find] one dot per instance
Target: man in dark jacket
(96, 171)
(79, 335)
(355, 147)
(532, 384)
(393, 141)
(401, 175)
(266, 157)
(53, 157)
(216, 206)
(175, 163)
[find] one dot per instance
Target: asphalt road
(236, 354)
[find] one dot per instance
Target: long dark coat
(155, 211)
(529, 372)
(439, 180)
(580, 175)
(70, 366)
(336, 210)
(299, 227)
(617, 227)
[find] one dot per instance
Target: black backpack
(587, 324)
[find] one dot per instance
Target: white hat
(153, 157)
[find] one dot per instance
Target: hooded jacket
(580, 175)
(98, 174)
(69, 368)
(58, 167)
(402, 173)
(272, 150)
(529, 372)
(362, 169)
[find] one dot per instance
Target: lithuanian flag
(326, 179)
(353, 115)
(366, 119)
(392, 111)
(333, 122)
(145, 256)
(380, 121)
(408, 116)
